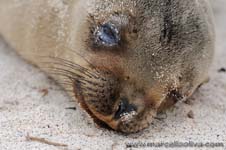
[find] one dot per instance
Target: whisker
(66, 82)
(87, 88)
(62, 83)
(61, 70)
(94, 67)
(73, 66)
(77, 68)
(70, 62)
(90, 89)
(78, 54)
(61, 74)
(74, 52)
(92, 83)
(90, 95)
(72, 76)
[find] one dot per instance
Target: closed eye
(107, 35)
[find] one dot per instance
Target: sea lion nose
(124, 108)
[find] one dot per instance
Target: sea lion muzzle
(112, 100)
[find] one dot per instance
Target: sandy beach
(35, 114)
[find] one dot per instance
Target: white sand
(24, 110)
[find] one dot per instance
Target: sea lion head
(125, 79)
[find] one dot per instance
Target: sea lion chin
(124, 61)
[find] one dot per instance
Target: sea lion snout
(115, 100)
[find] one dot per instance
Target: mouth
(96, 120)
(124, 115)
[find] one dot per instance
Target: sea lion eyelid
(107, 34)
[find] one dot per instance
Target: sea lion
(123, 60)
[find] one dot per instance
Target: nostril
(121, 109)
(124, 108)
